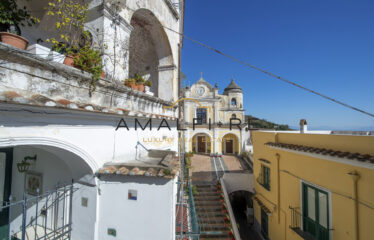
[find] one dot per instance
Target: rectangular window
(315, 212)
(201, 115)
(264, 178)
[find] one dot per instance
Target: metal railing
(193, 226)
(195, 230)
(307, 228)
(40, 216)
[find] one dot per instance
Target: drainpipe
(355, 177)
(277, 155)
(278, 185)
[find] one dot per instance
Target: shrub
(138, 78)
(148, 83)
(11, 17)
(89, 60)
(70, 16)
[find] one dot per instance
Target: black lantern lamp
(24, 165)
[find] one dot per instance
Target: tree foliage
(12, 15)
(264, 124)
(70, 16)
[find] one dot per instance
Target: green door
(264, 224)
(6, 159)
(315, 212)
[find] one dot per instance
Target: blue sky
(325, 45)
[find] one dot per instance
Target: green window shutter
(315, 212)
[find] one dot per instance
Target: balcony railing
(43, 216)
(307, 228)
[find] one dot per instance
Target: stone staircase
(209, 213)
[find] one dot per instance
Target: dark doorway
(201, 144)
(229, 146)
(242, 206)
(6, 161)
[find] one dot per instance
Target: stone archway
(201, 143)
(150, 53)
(230, 144)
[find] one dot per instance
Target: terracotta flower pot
(14, 40)
(133, 86)
(102, 74)
(141, 87)
(69, 61)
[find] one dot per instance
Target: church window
(233, 101)
(201, 115)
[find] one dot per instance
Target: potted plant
(130, 82)
(139, 82)
(11, 18)
(70, 16)
(89, 60)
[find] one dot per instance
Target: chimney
(303, 126)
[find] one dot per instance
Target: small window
(233, 101)
(233, 116)
(264, 177)
(133, 195)
(201, 115)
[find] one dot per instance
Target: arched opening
(233, 115)
(233, 102)
(150, 53)
(201, 143)
(230, 144)
(242, 206)
(56, 186)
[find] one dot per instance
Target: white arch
(18, 141)
(236, 135)
(239, 182)
(202, 132)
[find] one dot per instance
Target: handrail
(229, 208)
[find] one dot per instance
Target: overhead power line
(271, 74)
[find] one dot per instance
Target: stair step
(213, 227)
(208, 193)
(209, 208)
(207, 198)
(215, 235)
(203, 204)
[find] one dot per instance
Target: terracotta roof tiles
(326, 152)
(43, 101)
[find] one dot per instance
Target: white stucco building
(124, 180)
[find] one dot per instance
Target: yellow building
(314, 185)
(211, 133)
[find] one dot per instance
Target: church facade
(214, 122)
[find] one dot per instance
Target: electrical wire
(264, 71)
(271, 74)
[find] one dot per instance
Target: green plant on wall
(12, 17)
(148, 83)
(73, 39)
(129, 82)
(138, 78)
(89, 60)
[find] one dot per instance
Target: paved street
(206, 168)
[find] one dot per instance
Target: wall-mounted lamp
(24, 165)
